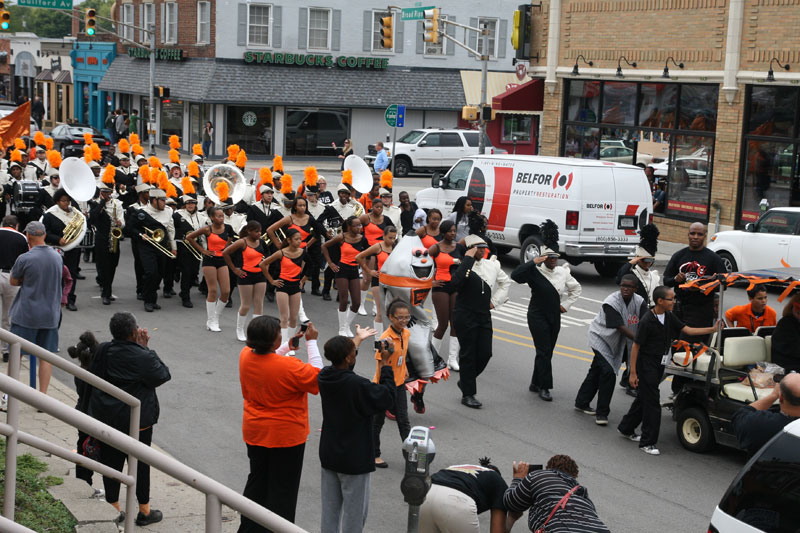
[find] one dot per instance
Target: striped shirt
(541, 491)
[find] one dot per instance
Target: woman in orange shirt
(275, 419)
(287, 287)
(252, 283)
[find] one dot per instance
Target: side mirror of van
(750, 227)
(436, 180)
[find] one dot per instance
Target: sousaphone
(224, 173)
(79, 182)
(362, 175)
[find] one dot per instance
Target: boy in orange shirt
(754, 314)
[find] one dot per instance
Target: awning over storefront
(63, 77)
(45, 75)
(524, 99)
(496, 83)
(199, 80)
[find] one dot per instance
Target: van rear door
(597, 221)
(634, 202)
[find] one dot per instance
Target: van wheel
(531, 249)
(694, 430)
(728, 261)
(402, 167)
(607, 269)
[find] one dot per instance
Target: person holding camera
(556, 501)
(349, 402)
(393, 346)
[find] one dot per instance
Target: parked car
(770, 242)
(427, 150)
(68, 138)
(623, 154)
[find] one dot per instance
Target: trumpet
(155, 237)
(192, 250)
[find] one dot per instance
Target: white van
(599, 206)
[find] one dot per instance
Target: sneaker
(120, 519)
(588, 410)
(633, 436)
(601, 420)
(418, 402)
(650, 450)
(99, 494)
(147, 519)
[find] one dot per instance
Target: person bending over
(755, 424)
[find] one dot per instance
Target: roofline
(574, 161)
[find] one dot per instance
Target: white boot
(452, 361)
(285, 336)
(378, 327)
(301, 313)
(240, 322)
(437, 345)
(350, 317)
(212, 324)
(361, 309)
(343, 323)
(220, 305)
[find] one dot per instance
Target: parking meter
(418, 451)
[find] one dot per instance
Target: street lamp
(579, 58)
(666, 66)
(771, 73)
(619, 65)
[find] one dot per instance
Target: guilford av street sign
(52, 4)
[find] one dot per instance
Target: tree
(56, 24)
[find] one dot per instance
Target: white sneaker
(650, 450)
(99, 494)
(633, 436)
(362, 310)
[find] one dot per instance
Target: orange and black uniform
(382, 256)
(291, 273)
(446, 263)
(217, 243)
(430, 240)
(374, 232)
(306, 232)
(251, 258)
(348, 266)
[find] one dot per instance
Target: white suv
(434, 149)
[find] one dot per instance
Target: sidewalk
(183, 507)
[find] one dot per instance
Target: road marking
(590, 299)
(526, 337)
(571, 356)
(573, 308)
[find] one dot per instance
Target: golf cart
(713, 388)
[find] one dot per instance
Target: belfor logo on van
(562, 180)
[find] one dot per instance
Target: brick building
(728, 135)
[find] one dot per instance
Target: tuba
(228, 174)
(78, 181)
(362, 175)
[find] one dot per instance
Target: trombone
(155, 237)
(192, 250)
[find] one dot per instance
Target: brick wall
(770, 30)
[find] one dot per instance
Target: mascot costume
(407, 274)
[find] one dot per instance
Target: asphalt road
(201, 411)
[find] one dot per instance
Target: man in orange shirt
(754, 314)
(367, 198)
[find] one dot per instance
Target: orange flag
(16, 124)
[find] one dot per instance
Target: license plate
(626, 223)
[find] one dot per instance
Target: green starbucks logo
(249, 119)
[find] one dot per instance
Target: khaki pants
(447, 510)
(7, 294)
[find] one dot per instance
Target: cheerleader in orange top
(380, 250)
(351, 242)
(252, 283)
(218, 236)
(373, 223)
(292, 258)
(298, 218)
(430, 232)
(447, 255)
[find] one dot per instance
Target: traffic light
(386, 31)
(5, 17)
(91, 22)
(521, 32)
(431, 26)
(159, 91)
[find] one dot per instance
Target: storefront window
(517, 128)
(171, 119)
(658, 105)
(311, 131)
(689, 176)
(250, 128)
(583, 103)
(582, 142)
(772, 111)
(619, 103)
(198, 115)
(616, 145)
(698, 107)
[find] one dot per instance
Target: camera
(384, 344)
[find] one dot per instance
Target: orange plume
(38, 138)
(97, 155)
(154, 162)
(19, 144)
(124, 146)
(54, 158)
(16, 156)
(233, 151)
(144, 172)
(174, 156)
(241, 159)
(162, 180)
(194, 169)
(311, 176)
(386, 179)
(264, 178)
(137, 149)
(174, 142)
(134, 138)
(32, 153)
(222, 189)
(286, 184)
(171, 191)
(197, 149)
(108, 174)
(277, 164)
(187, 185)
(48, 143)
(87, 152)
(347, 177)
(87, 138)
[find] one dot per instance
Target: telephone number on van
(612, 239)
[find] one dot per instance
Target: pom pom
(97, 155)
(550, 234)
(174, 156)
(194, 169)
(386, 179)
(171, 191)
(197, 149)
(233, 151)
(162, 181)
(137, 149)
(154, 162)
(222, 189)
(87, 138)
(286, 184)
(124, 146)
(347, 177)
(48, 143)
(16, 156)
(19, 144)
(187, 185)
(311, 176)
(38, 138)
(241, 159)
(108, 174)
(277, 164)
(649, 238)
(134, 138)
(144, 172)
(54, 158)
(174, 142)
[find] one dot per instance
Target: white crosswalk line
(590, 299)
(573, 308)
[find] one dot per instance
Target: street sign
(51, 4)
(401, 116)
(414, 13)
(391, 115)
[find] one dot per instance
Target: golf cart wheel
(728, 261)
(694, 430)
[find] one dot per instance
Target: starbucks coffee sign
(315, 60)
(249, 119)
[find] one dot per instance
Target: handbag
(561, 504)
(90, 448)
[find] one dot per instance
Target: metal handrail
(216, 493)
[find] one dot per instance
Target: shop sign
(166, 54)
(314, 60)
(249, 119)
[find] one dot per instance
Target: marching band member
(380, 250)
(350, 243)
(345, 208)
(447, 255)
(265, 212)
(321, 214)
(251, 280)
(125, 178)
(143, 200)
(55, 220)
(53, 184)
(37, 169)
(373, 223)
(292, 257)
(187, 220)
(105, 214)
(154, 216)
(170, 266)
(385, 195)
(218, 236)
(237, 221)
